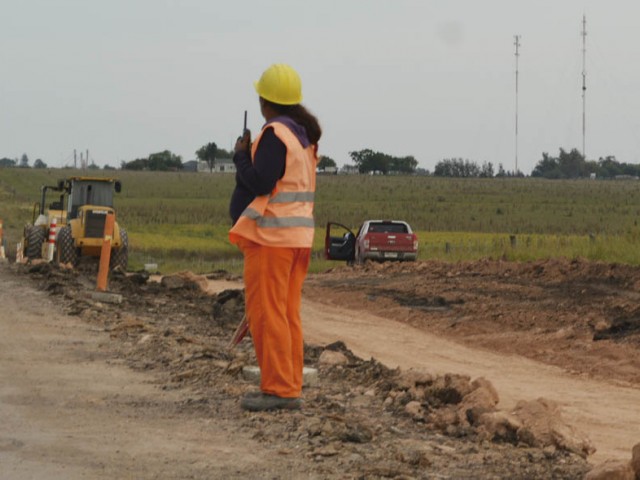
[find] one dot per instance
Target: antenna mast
(517, 44)
(584, 84)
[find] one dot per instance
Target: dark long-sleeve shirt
(260, 176)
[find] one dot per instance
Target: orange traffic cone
(52, 239)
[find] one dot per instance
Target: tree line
(368, 161)
(168, 161)
(160, 161)
(572, 164)
(566, 165)
(457, 167)
(22, 163)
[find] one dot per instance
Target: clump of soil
(361, 419)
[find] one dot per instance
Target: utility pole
(584, 85)
(517, 44)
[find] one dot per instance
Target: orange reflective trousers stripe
(273, 278)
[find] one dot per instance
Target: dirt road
(607, 413)
(70, 409)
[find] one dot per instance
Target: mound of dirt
(361, 419)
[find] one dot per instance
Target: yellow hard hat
(280, 84)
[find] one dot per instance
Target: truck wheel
(120, 256)
(358, 256)
(66, 251)
(35, 237)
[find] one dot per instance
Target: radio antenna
(584, 85)
(517, 44)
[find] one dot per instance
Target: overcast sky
(431, 79)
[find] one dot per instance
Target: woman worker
(272, 212)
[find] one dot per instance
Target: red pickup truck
(376, 240)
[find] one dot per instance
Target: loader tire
(35, 237)
(120, 256)
(66, 251)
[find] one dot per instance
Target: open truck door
(339, 243)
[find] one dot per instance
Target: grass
(459, 246)
(180, 220)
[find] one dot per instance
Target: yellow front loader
(80, 213)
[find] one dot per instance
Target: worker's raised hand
(243, 144)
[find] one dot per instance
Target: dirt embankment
(363, 419)
(582, 316)
(565, 330)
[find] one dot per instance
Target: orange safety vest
(284, 217)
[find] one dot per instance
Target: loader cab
(90, 191)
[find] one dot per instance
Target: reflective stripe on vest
(278, 222)
(285, 217)
(286, 197)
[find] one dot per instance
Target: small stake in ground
(105, 253)
(19, 255)
(2, 254)
(239, 334)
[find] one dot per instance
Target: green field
(180, 220)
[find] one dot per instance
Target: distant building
(221, 165)
(190, 166)
(327, 171)
(349, 170)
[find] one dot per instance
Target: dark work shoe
(263, 402)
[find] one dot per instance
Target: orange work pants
(273, 278)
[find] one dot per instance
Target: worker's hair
(301, 116)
